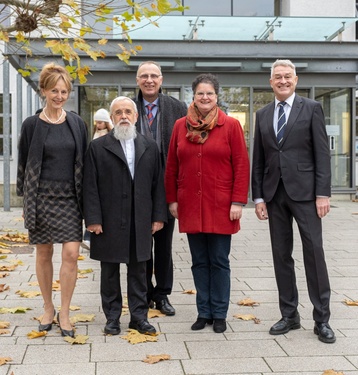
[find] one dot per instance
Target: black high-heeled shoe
(47, 327)
(65, 332)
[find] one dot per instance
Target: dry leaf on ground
(248, 302)
(189, 291)
(125, 311)
(2, 275)
(4, 331)
(82, 318)
(3, 287)
(4, 325)
(17, 262)
(79, 276)
(332, 372)
(4, 360)
(351, 303)
(79, 339)
(134, 337)
(56, 286)
(156, 358)
(88, 270)
(28, 294)
(5, 251)
(14, 310)
(33, 283)
(3, 256)
(247, 317)
(81, 257)
(7, 267)
(17, 237)
(36, 334)
(154, 313)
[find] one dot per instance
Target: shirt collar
(146, 102)
(289, 100)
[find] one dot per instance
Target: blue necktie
(281, 124)
(150, 113)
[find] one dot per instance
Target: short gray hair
(120, 99)
(279, 62)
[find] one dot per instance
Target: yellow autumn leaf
(3, 256)
(332, 372)
(5, 267)
(351, 303)
(56, 286)
(125, 311)
(134, 337)
(4, 331)
(88, 270)
(247, 317)
(102, 41)
(154, 313)
(189, 291)
(74, 308)
(17, 262)
(79, 276)
(33, 283)
(28, 294)
(3, 287)
(4, 325)
(156, 358)
(2, 275)
(5, 251)
(82, 318)
(14, 310)
(36, 334)
(79, 339)
(81, 257)
(4, 360)
(4, 36)
(248, 302)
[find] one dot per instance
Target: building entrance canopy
(311, 29)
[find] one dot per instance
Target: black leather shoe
(201, 323)
(219, 325)
(165, 307)
(324, 332)
(151, 304)
(112, 327)
(65, 332)
(285, 324)
(47, 327)
(142, 326)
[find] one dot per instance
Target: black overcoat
(108, 193)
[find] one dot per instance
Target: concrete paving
(245, 348)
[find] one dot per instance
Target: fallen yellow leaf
(153, 313)
(3, 288)
(5, 267)
(332, 372)
(28, 294)
(5, 251)
(248, 302)
(4, 360)
(4, 331)
(134, 337)
(88, 270)
(247, 317)
(33, 283)
(79, 276)
(74, 308)
(56, 286)
(3, 256)
(79, 339)
(2, 275)
(351, 303)
(36, 334)
(81, 257)
(14, 310)
(82, 318)
(189, 291)
(17, 262)
(156, 358)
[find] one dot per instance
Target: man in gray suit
(291, 178)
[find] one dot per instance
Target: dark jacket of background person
(203, 186)
(30, 160)
(108, 197)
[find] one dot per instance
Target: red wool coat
(206, 178)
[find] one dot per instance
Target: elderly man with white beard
(124, 206)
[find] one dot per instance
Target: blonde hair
(51, 73)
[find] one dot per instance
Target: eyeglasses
(202, 94)
(127, 112)
(145, 77)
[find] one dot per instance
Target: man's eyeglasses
(202, 94)
(145, 77)
(127, 112)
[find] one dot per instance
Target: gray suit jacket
(303, 158)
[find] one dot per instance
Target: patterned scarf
(199, 126)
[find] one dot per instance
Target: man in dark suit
(291, 178)
(124, 205)
(157, 123)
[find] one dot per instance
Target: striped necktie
(281, 124)
(150, 113)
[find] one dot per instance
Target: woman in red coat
(207, 179)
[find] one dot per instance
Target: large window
(2, 127)
(336, 105)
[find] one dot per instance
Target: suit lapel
(113, 145)
(269, 120)
(296, 109)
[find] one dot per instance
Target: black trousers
(161, 263)
(281, 211)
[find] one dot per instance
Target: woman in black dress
(50, 168)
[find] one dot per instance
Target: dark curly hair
(206, 78)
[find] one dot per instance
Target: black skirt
(58, 217)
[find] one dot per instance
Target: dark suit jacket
(302, 159)
(111, 197)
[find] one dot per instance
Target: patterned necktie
(281, 124)
(150, 113)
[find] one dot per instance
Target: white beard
(124, 132)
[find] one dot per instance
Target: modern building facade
(238, 42)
